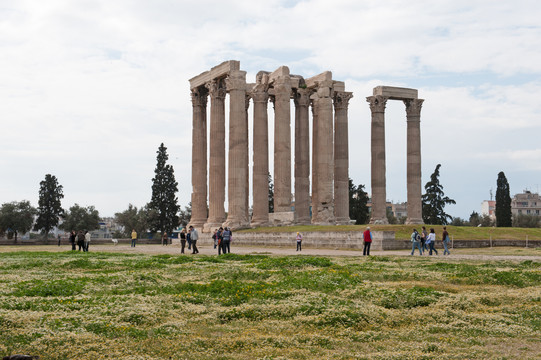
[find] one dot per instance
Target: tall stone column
(379, 195)
(413, 113)
(217, 94)
(260, 172)
(325, 154)
(238, 151)
(282, 145)
(341, 157)
(314, 162)
(302, 157)
(199, 157)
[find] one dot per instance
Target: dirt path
(469, 254)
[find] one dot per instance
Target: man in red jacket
(367, 236)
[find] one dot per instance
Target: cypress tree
(49, 204)
(434, 201)
(503, 202)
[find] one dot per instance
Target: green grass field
(126, 306)
(403, 232)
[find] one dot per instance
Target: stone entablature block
(395, 93)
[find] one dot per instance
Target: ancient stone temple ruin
(328, 101)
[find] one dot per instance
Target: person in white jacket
(87, 241)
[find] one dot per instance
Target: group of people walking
(80, 239)
(425, 241)
(222, 240)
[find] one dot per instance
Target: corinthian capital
(216, 88)
(377, 103)
(260, 96)
(199, 97)
(413, 106)
(341, 99)
(302, 97)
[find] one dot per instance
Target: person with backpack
(431, 240)
(446, 241)
(416, 242)
(226, 240)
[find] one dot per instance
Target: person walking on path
(182, 240)
(367, 238)
(416, 242)
(446, 241)
(73, 236)
(424, 235)
(194, 237)
(299, 241)
(226, 240)
(431, 240)
(87, 241)
(133, 237)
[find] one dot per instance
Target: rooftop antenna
(490, 194)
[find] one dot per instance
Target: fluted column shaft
(377, 106)
(238, 151)
(217, 155)
(282, 145)
(260, 175)
(314, 162)
(302, 157)
(341, 157)
(325, 155)
(199, 157)
(413, 112)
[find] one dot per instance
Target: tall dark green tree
(16, 217)
(503, 202)
(49, 205)
(434, 201)
(164, 200)
(358, 200)
(81, 218)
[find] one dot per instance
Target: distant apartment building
(488, 207)
(398, 210)
(527, 203)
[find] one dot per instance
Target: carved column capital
(413, 107)
(341, 99)
(216, 88)
(260, 96)
(199, 97)
(302, 97)
(377, 103)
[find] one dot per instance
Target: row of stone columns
(330, 180)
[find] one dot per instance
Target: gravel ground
(209, 250)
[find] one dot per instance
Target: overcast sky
(89, 89)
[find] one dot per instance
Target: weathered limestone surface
(217, 72)
(341, 157)
(414, 185)
(302, 157)
(379, 192)
(395, 93)
(216, 217)
(199, 158)
(238, 151)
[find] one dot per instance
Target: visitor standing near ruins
(81, 240)
(416, 242)
(367, 237)
(87, 241)
(133, 237)
(215, 238)
(72, 239)
(189, 239)
(299, 242)
(165, 240)
(194, 237)
(226, 240)
(424, 235)
(182, 240)
(220, 236)
(446, 241)
(431, 240)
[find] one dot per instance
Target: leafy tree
(49, 204)
(164, 201)
(81, 218)
(271, 194)
(457, 221)
(486, 221)
(434, 201)
(185, 215)
(503, 202)
(475, 219)
(133, 218)
(358, 208)
(16, 217)
(526, 221)
(391, 219)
